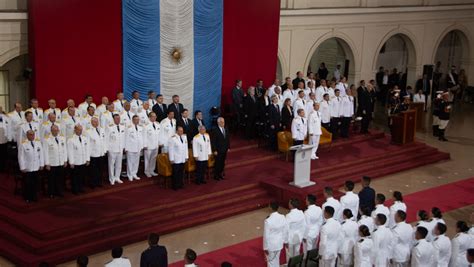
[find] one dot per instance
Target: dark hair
(135, 116)
(364, 230)
(311, 198)
(380, 198)
(470, 252)
(190, 255)
(196, 112)
(381, 218)
(153, 239)
(158, 95)
(423, 215)
(329, 210)
(28, 113)
(398, 196)
(151, 92)
(185, 109)
(422, 231)
(401, 214)
(328, 190)
(117, 252)
(349, 185)
(336, 90)
(436, 212)
(82, 261)
(169, 111)
(238, 80)
(462, 225)
(441, 227)
(295, 203)
(347, 213)
(366, 211)
(115, 115)
(87, 96)
(134, 92)
(274, 205)
(366, 179)
(226, 264)
(175, 96)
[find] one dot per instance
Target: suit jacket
(286, 117)
(154, 256)
(367, 198)
(237, 96)
(195, 126)
(365, 102)
(219, 142)
(186, 127)
(177, 113)
(379, 78)
(274, 116)
(296, 81)
(160, 113)
(251, 107)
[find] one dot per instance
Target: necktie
(171, 122)
(153, 124)
(52, 124)
(54, 111)
(88, 105)
(121, 103)
(302, 120)
(186, 122)
(128, 114)
(304, 103)
(57, 141)
(203, 137)
(223, 132)
(80, 139)
(74, 120)
(138, 104)
(19, 114)
(118, 128)
(97, 130)
(278, 108)
(31, 128)
(181, 138)
(36, 112)
(177, 107)
(161, 107)
(33, 144)
(136, 128)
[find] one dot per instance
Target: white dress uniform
(442, 251)
(381, 209)
(363, 252)
(126, 117)
(459, 246)
(396, 206)
(367, 221)
(422, 254)
(314, 130)
(342, 88)
(308, 91)
(202, 147)
(325, 109)
(55, 150)
(309, 107)
(55, 111)
(25, 127)
(68, 124)
(429, 225)
(45, 128)
(115, 140)
(133, 146)
(136, 106)
(86, 121)
(349, 235)
(274, 234)
(296, 223)
(350, 201)
(65, 114)
(347, 106)
(336, 205)
(178, 151)
(329, 242)
(382, 251)
(106, 118)
(299, 128)
(30, 156)
(119, 262)
(168, 129)
(300, 103)
(37, 114)
(314, 220)
(82, 108)
(97, 140)
(118, 105)
(419, 98)
(435, 221)
(291, 94)
(100, 109)
(78, 151)
(151, 143)
(335, 107)
(16, 119)
(402, 243)
(151, 103)
(143, 115)
(320, 91)
(5, 129)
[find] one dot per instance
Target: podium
(302, 166)
(420, 113)
(404, 127)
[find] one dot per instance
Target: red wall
(75, 48)
(250, 43)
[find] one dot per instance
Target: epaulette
(110, 125)
(46, 137)
(65, 109)
(196, 135)
(25, 141)
(116, 100)
(45, 123)
(37, 139)
(39, 108)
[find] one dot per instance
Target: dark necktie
(128, 114)
(97, 130)
(203, 137)
(33, 144)
(177, 107)
(153, 124)
(121, 103)
(186, 122)
(80, 139)
(161, 107)
(19, 114)
(56, 139)
(171, 122)
(74, 120)
(181, 138)
(138, 104)
(31, 128)
(118, 128)
(54, 111)
(302, 120)
(223, 132)
(136, 128)
(36, 112)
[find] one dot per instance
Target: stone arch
(464, 38)
(13, 53)
(282, 65)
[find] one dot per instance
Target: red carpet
(58, 230)
(249, 253)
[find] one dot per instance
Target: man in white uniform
(342, 86)
(52, 109)
(383, 242)
(380, 208)
(30, 161)
(102, 107)
(299, 128)
(115, 140)
(118, 260)
(55, 160)
(69, 104)
(296, 223)
(329, 241)
(335, 110)
(347, 111)
(151, 143)
(402, 234)
(133, 146)
(27, 125)
(321, 91)
(143, 114)
(86, 119)
(151, 100)
(45, 128)
(441, 245)
(325, 109)
(96, 135)
(201, 152)
(17, 116)
(78, 154)
(178, 155)
(136, 103)
(300, 102)
(36, 111)
(168, 129)
(70, 120)
(332, 202)
(274, 234)
(84, 106)
(422, 253)
(107, 117)
(350, 200)
(126, 115)
(348, 238)
(119, 102)
(314, 219)
(314, 129)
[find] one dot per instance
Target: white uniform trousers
(327, 263)
(310, 244)
(314, 141)
(399, 264)
(293, 250)
(115, 165)
(273, 259)
(150, 160)
(443, 124)
(133, 159)
(435, 120)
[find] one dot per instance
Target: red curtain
(250, 43)
(75, 48)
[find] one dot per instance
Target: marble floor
(247, 226)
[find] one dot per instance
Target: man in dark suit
(251, 112)
(365, 107)
(220, 145)
(198, 120)
(298, 79)
(366, 195)
(259, 89)
(185, 122)
(176, 107)
(238, 100)
(274, 121)
(160, 109)
(155, 255)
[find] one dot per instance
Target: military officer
(402, 234)
(70, 104)
(350, 200)
(5, 137)
(300, 102)
(126, 115)
(444, 111)
(102, 107)
(347, 111)
(363, 248)
(17, 117)
(383, 239)
(107, 117)
(152, 141)
(31, 161)
(118, 260)
(178, 155)
(55, 160)
(133, 146)
(441, 245)
(335, 109)
(78, 154)
(296, 225)
(201, 152)
(86, 119)
(314, 219)
(96, 135)
(45, 128)
(115, 140)
(36, 111)
(348, 237)
(380, 208)
(366, 219)
(329, 241)
(325, 109)
(70, 120)
(168, 129)
(274, 234)
(422, 252)
(332, 202)
(52, 109)
(151, 100)
(119, 102)
(397, 205)
(84, 106)
(299, 128)
(28, 124)
(143, 113)
(136, 103)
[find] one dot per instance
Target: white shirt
(329, 240)
(97, 140)
(334, 203)
(314, 219)
(168, 129)
(68, 124)
(5, 129)
(402, 242)
(143, 115)
(314, 123)
(115, 138)
(382, 238)
(30, 156)
(86, 121)
(349, 235)
(45, 128)
(118, 105)
(37, 114)
(459, 245)
(300, 103)
(363, 252)
(151, 103)
(350, 201)
(152, 136)
(337, 74)
(381, 209)
(429, 226)
(442, 251)
(291, 94)
(78, 150)
(56, 111)
(335, 109)
(202, 147)
(178, 149)
(126, 117)
(106, 118)
(100, 109)
(296, 223)
(422, 254)
(419, 98)
(136, 106)
(134, 138)
(55, 150)
(24, 128)
(299, 128)
(119, 262)
(367, 221)
(325, 109)
(16, 120)
(396, 206)
(82, 108)
(274, 232)
(342, 88)
(320, 91)
(347, 106)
